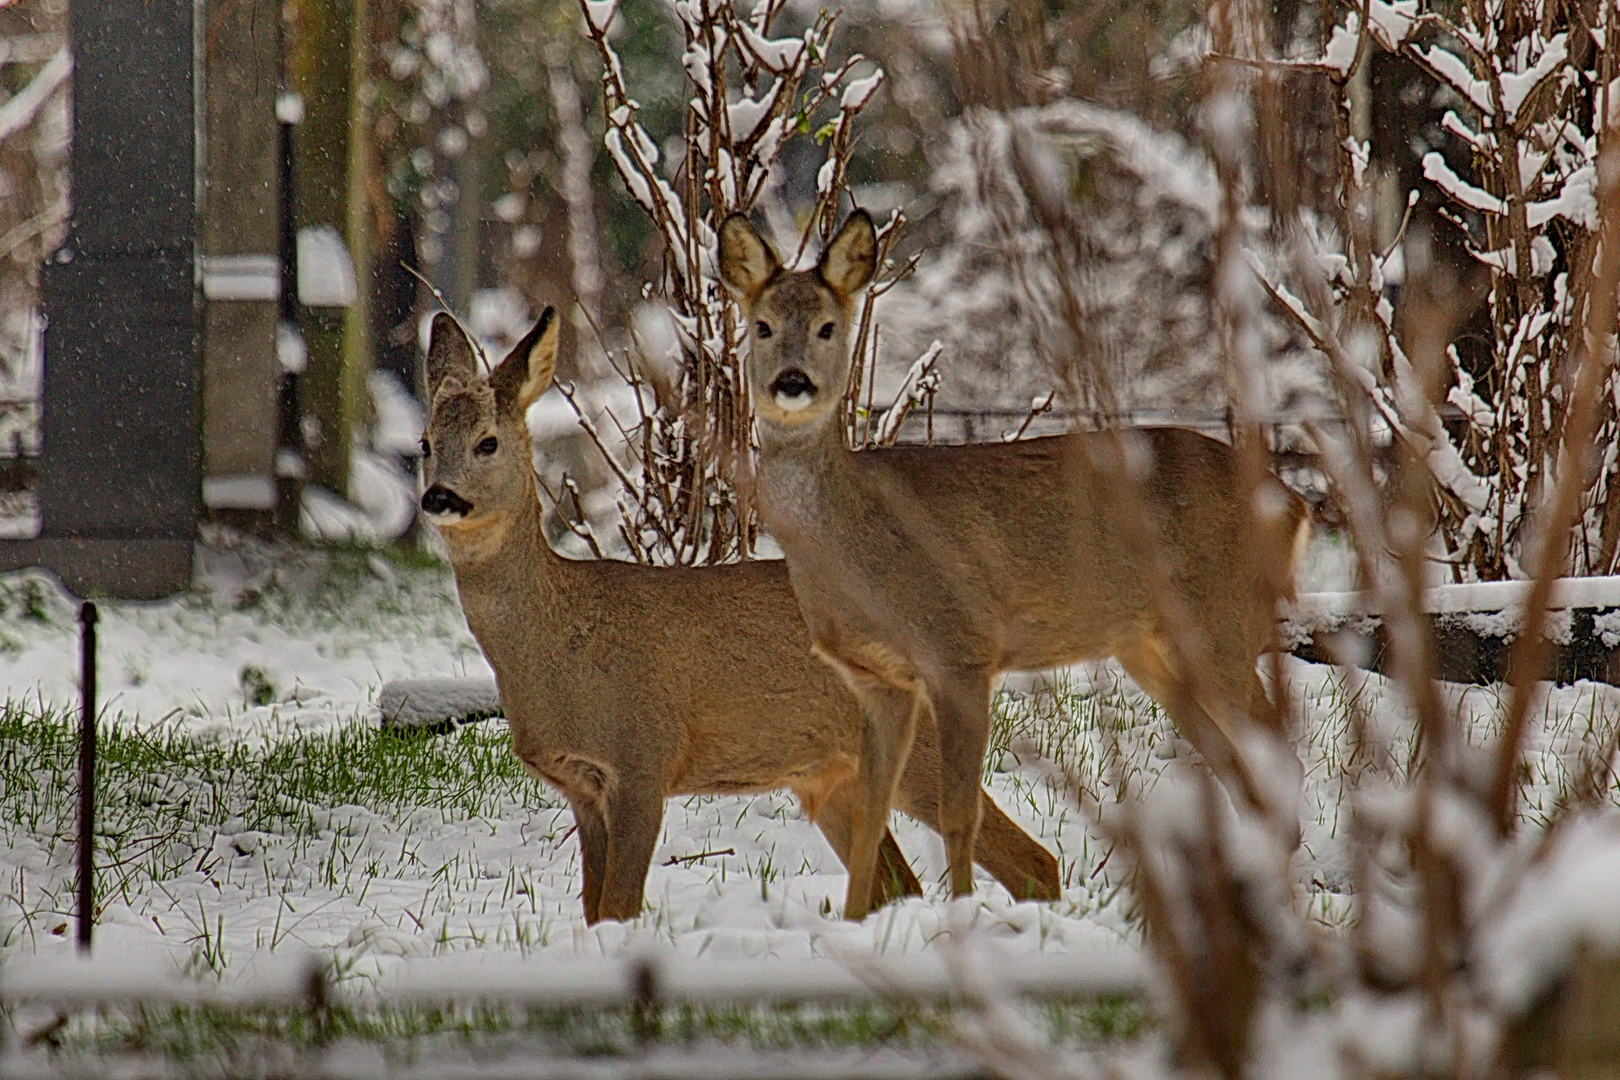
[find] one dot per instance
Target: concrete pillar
(118, 475)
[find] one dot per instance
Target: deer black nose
(439, 499)
(793, 383)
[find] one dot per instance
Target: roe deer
(924, 572)
(626, 684)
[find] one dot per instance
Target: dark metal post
(87, 773)
(644, 991)
(291, 351)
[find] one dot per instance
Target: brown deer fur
(924, 572)
(626, 684)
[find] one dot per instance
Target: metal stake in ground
(87, 771)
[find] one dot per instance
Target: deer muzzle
(439, 502)
(793, 390)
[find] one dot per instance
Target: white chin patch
(793, 402)
(448, 517)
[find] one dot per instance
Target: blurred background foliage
(1142, 57)
(483, 133)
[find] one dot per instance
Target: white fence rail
(541, 982)
(1481, 596)
(639, 983)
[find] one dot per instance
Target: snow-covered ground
(257, 694)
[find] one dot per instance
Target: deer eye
(826, 332)
(762, 330)
(427, 451)
(487, 447)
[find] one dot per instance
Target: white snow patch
(1516, 87)
(325, 272)
(1606, 625)
(600, 13)
(399, 422)
(383, 503)
(407, 703)
(1342, 46)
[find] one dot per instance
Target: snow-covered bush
(1529, 86)
(34, 130)
(751, 95)
(1478, 944)
(1117, 265)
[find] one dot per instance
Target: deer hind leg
(894, 877)
(1232, 690)
(1002, 848)
(1013, 857)
(1213, 735)
(593, 850)
(889, 717)
(1147, 662)
(961, 704)
(633, 819)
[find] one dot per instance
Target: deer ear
(851, 259)
(449, 353)
(527, 370)
(747, 263)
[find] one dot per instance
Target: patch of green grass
(1090, 731)
(163, 798)
(159, 775)
(1103, 1020)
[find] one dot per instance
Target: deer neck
(800, 468)
(503, 564)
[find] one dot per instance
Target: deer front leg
(634, 816)
(890, 717)
(961, 705)
(593, 849)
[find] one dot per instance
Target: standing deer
(924, 572)
(626, 684)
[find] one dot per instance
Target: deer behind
(924, 572)
(626, 684)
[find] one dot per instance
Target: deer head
(798, 323)
(476, 450)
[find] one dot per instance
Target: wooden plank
(1473, 626)
(321, 67)
(240, 226)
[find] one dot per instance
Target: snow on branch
(1452, 70)
(920, 384)
(1517, 86)
(779, 55)
(1459, 190)
(599, 13)
(1532, 91)
(1392, 23)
